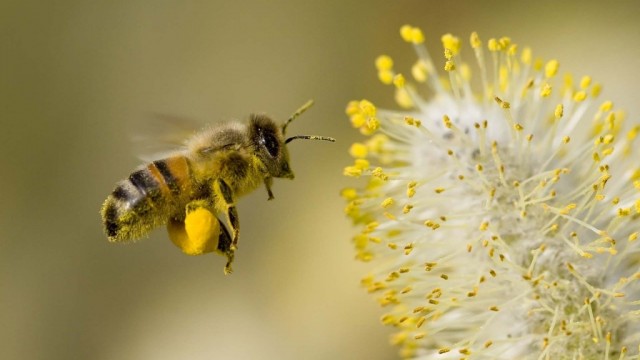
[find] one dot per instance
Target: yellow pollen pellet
(384, 62)
(551, 68)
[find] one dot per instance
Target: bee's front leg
(268, 181)
(225, 203)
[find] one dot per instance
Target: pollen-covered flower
(500, 211)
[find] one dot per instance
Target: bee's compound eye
(271, 143)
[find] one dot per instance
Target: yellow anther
(384, 62)
(513, 50)
(403, 98)
(387, 203)
(352, 171)
(484, 226)
(373, 123)
(406, 32)
(551, 68)
(439, 190)
(417, 37)
(409, 120)
(358, 150)
(545, 91)
(407, 208)
(585, 82)
(606, 106)
(361, 164)
(579, 96)
(353, 107)
(398, 80)
(526, 56)
(411, 34)
(465, 72)
(449, 65)
(504, 42)
(596, 89)
(633, 237)
(559, 111)
(566, 139)
(385, 76)
(493, 45)
(475, 40)
(447, 122)
(358, 120)
(448, 54)
(378, 173)
(419, 71)
(349, 194)
(367, 108)
(451, 42)
(518, 127)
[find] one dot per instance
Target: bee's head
(271, 144)
(270, 147)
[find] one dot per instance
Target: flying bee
(194, 191)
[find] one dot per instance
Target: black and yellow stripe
(147, 198)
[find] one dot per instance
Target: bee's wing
(160, 135)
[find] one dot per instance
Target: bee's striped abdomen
(146, 198)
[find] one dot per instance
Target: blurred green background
(75, 75)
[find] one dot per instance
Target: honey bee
(205, 178)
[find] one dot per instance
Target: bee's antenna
(310, 137)
(298, 112)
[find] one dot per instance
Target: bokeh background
(75, 75)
